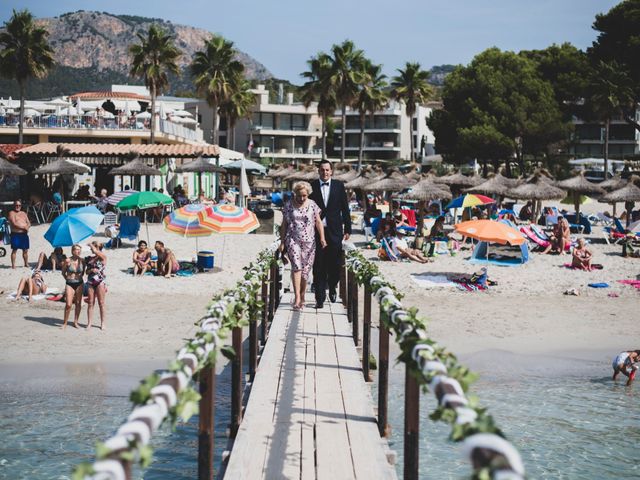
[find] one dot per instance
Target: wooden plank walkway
(310, 414)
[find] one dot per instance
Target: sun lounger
(529, 233)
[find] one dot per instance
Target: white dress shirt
(325, 188)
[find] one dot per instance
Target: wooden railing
(170, 395)
(427, 364)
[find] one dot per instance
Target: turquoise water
(567, 418)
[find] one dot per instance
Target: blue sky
(283, 34)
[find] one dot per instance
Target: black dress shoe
(319, 305)
(332, 296)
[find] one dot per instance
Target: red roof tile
(104, 95)
(9, 149)
(117, 149)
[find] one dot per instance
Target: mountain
(438, 73)
(91, 53)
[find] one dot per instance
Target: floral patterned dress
(300, 237)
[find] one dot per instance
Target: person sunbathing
(33, 285)
(560, 238)
(52, 262)
(141, 259)
(581, 256)
(436, 234)
(167, 263)
(626, 363)
(401, 249)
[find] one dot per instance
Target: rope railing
(170, 395)
(432, 367)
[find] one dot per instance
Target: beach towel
(594, 266)
(633, 283)
(466, 285)
(411, 216)
(51, 292)
(426, 280)
(534, 238)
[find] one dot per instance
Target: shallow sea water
(569, 422)
(572, 423)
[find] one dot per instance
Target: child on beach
(628, 363)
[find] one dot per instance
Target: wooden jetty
(310, 413)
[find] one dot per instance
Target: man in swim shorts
(627, 363)
(20, 224)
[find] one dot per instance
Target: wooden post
(411, 426)
(206, 427)
(383, 377)
(253, 346)
(366, 333)
(236, 381)
(265, 309)
(353, 290)
(272, 291)
(347, 295)
(343, 281)
(278, 282)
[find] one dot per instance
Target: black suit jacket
(337, 212)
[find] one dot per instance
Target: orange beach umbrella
(490, 231)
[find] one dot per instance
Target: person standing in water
(626, 363)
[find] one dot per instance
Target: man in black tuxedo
(331, 197)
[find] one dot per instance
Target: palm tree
(371, 98)
(214, 70)
(609, 91)
(411, 87)
(345, 76)
(24, 53)
(152, 59)
(318, 89)
(236, 107)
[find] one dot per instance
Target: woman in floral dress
(301, 217)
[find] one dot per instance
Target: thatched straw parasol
(614, 183)
(9, 169)
(62, 166)
(346, 175)
(366, 177)
(426, 190)
(629, 194)
(457, 180)
(577, 186)
(297, 175)
(200, 165)
(280, 173)
(495, 185)
(393, 181)
(536, 188)
(135, 167)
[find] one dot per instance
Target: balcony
(292, 132)
(265, 152)
(101, 126)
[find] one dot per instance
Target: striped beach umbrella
(118, 196)
(228, 219)
(186, 222)
(470, 200)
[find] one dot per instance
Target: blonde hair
(302, 185)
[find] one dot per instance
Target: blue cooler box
(205, 260)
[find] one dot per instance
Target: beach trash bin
(205, 260)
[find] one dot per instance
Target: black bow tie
(324, 184)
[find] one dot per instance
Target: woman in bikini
(96, 264)
(33, 285)
(141, 259)
(581, 256)
(73, 273)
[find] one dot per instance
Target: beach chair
(110, 218)
(529, 233)
(129, 227)
(539, 232)
(600, 219)
(384, 244)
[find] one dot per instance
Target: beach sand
(149, 318)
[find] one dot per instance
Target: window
(262, 120)
(285, 121)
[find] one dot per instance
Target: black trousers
(326, 269)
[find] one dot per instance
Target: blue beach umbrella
(74, 226)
